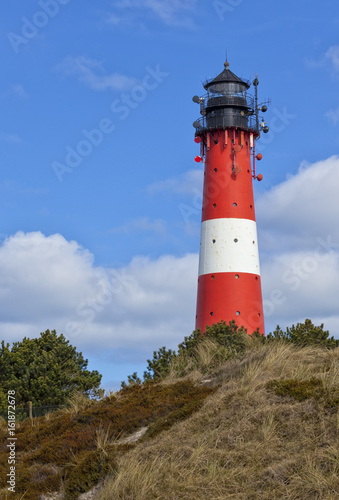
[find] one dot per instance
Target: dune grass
(247, 441)
(74, 448)
(260, 422)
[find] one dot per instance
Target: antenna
(256, 83)
(226, 62)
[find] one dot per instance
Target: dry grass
(77, 403)
(3, 426)
(104, 438)
(261, 427)
(75, 448)
(206, 357)
(246, 442)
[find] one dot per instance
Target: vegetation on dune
(224, 341)
(226, 416)
(269, 432)
(228, 341)
(45, 370)
(74, 448)
(304, 334)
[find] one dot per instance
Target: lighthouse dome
(227, 82)
(227, 104)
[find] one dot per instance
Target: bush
(45, 370)
(223, 341)
(306, 389)
(304, 334)
(159, 367)
(81, 477)
(226, 341)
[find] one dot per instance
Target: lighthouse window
(212, 313)
(237, 276)
(212, 277)
(214, 205)
(251, 206)
(213, 241)
(238, 313)
(235, 240)
(215, 170)
(253, 242)
(235, 204)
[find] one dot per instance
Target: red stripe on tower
(229, 286)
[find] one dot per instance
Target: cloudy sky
(100, 197)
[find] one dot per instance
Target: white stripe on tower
(229, 245)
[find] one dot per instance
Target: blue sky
(99, 192)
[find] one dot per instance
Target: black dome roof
(227, 76)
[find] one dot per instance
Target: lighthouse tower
(229, 286)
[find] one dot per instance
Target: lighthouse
(229, 284)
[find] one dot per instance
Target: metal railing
(225, 121)
(30, 411)
(228, 96)
(243, 117)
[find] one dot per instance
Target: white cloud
(141, 224)
(15, 188)
(114, 20)
(41, 276)
(16, 90)
(294, 214)
(333, 55)
(299, 241)
(189, 182)
(299, 285)
(173, 13)
(49, 282)
(90, 72)
(329, 60)
(189, 186)
(19, 91)
(333, 116)
(14, 138)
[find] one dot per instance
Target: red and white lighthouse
(229, 286)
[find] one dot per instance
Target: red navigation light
(260, 177)
(197, 139)
(259, 156)
(198, 159)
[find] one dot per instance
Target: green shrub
(176, 415)
(306, 389)
(230, 339)
(159, 367)
(232, 342)
(304, 334)
(86, 474)
(297, 389)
